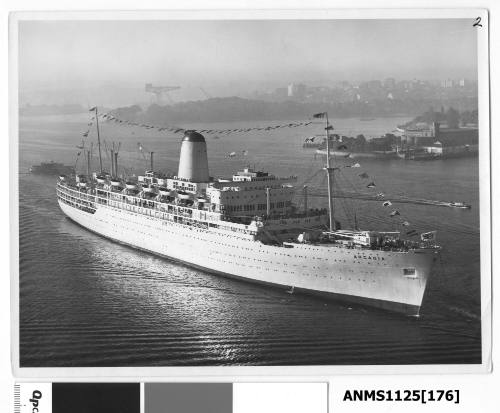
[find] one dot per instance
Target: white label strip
(280, 397)
(33, 398)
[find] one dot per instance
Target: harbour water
(86, 301)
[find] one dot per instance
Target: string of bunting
(386, 203)
(371, 185)
(108, 117)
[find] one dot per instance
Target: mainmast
(329, 174)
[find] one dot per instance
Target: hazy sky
(242, 53)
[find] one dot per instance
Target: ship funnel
(193, 163)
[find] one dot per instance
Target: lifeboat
(148, 189)
(100, 179)
(165, 191)
(149, 195)
(81, 184)
(114, 182)
(62, 177)
(202, 200)
(183, 195)
(130, 185)
(132, 192)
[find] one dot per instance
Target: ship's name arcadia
(369, 257)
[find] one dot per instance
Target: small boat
(368, 154)
(130, 191)
(52, 168)
(417, 155)
(100, 179)
(114, 182)
(461, 205)
(148, 195)
(315, 142)
(165, 191)
(183, 195)
(130, 185)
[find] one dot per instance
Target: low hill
(238, 109)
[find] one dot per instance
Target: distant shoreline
(243, 110)
(398, 115)
(235, 109)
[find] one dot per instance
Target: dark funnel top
(193, 136)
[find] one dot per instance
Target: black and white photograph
(275, 190)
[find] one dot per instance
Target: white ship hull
(377, 278)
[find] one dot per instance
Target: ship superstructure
(247, 227)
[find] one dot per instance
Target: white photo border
(271, 373)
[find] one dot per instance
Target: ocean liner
(247, 227)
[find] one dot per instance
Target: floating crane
(160, 92)
(207, 95)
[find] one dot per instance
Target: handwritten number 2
(477, 22)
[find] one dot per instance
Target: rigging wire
(346, 206)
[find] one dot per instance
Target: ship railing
(147, 207)
(106, 197)
(401, 246)
(88, 197)
(310, 213)
(76, 200)
(103, 195)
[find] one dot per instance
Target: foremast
(94, 109)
